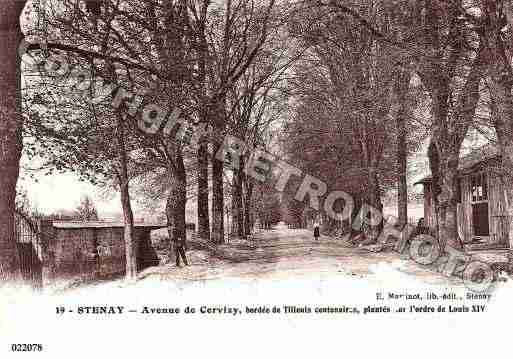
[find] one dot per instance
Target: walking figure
(316, 230)
(180, 249)
(421, 227)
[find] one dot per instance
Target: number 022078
(27, 347)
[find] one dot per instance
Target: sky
(57, 192)
(63, 192)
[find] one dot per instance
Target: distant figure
(421, 228)
(316, 230)
(180, 249)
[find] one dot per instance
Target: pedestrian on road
(180, 248)
(421, 228)
(316, 230)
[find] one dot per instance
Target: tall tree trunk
(128, 215)
(11, 126)
(370, 160)
(217, 175)
(401, 89)
(203, 192)
(374, 200)
(130, 243)
(248, 194)
(447, 202)
(217, 199)
(444, 160)
(176, 201)
(449, 131)
(402, 188)
(237, 205)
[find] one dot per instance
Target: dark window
(480, 219)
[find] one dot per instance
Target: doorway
(480, 207)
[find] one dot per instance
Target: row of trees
(102, 76)
(353, 124)
(362, 75)
(379, 69)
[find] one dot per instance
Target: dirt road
(282, 253)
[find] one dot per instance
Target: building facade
(482, 210)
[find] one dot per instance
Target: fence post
(47, 233)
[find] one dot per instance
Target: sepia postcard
(256, 178)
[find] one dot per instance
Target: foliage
(86, 210)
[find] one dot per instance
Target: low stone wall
(84, 254)
(72, 253)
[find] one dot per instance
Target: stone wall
(73, 252)
(92, 253)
